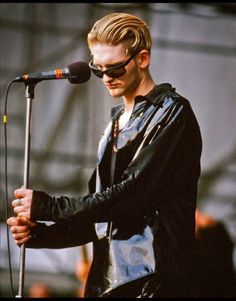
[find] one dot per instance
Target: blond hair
(119, 28)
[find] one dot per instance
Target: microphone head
(79, 72)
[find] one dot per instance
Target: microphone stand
(29, 94)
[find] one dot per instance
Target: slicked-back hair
(117, 28)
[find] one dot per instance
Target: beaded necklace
(116, 131)
(115, 134)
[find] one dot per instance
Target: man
(140, 209)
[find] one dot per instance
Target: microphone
(77, 73)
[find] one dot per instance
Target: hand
(20, 229)
(22, 205)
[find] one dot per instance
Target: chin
(116, 93)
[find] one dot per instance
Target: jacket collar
(155, 96)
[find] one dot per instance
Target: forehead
(104, 54)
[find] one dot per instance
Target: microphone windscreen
(79, 72)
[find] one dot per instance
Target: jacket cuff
(36, 233)
(41, 206)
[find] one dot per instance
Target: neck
(129, 100)
(142, 89)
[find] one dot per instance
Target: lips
(112, 86)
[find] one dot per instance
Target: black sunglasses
(115, 71)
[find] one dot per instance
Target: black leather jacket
(144, 223)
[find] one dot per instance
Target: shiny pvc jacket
(143, 224)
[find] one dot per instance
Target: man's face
(107, 56)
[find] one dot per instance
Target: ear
(143, 59)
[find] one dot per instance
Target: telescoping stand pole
(29, 94)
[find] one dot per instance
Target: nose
(107, 78)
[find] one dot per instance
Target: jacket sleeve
(63, 234)
(165, 148)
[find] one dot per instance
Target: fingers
(21, 238)
(23, 220)
(22, 205)
(20, 229)
(22, 241)
(21, 225)
(17, 202)
(20, 220)
(12, 221)
(22, 212)
(21, 234)
(21, 192)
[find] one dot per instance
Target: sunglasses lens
(115, 73)
(97, 72)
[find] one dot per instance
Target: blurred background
(194, 49)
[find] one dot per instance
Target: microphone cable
(6, 182)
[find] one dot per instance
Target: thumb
(12, 221)
(22, 220)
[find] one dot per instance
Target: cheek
(133, 77)
(131, 82)
(132, 73)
